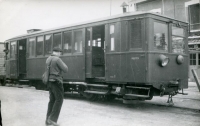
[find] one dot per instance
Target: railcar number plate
(118, 89)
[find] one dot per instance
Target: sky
(17, 16)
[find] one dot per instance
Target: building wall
(172, 8)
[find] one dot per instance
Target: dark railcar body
(2, 64)
(119, 55)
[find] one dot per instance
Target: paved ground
(27, 107)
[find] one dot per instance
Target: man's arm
(62, 65)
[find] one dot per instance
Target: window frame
(42, 46)
(34, 55)
(73, 41)
(63, 42)
(142, 35)
(60, 39)
(184, 38)
(193, 60)
(51, 50)
(10, 56)
(109, 44)
(88, 48)
(168, 36)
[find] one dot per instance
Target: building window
(135, 29)
(198, 59)
(47, 44)
(78, 42)
(31, 47)
(39, 50)
(193, 59)
(13, 49)
(160, 36)
(178, 40)
(57, 40)
(194, 16)
(67, 46)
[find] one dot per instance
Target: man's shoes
(51, 123)
(47, 123)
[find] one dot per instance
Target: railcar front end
(132, 56)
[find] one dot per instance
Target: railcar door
(22, 59)
(13, 59)
(95, 63)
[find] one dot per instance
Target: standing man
(55, 85)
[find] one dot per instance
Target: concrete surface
(26, 106)
(190, 101)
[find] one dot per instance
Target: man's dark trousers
(56, 93)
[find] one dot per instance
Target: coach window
(39, 48)
(135, 30)
(78, 41)
(31, 47)
(178, 39)
(160, 36)
(57, 40)
(88, 41)
(47, 44)
(13, 49)
(112, 37)
(67, 46)
(8, 52)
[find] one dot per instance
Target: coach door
(95, 62)
(13, 59)
(22, 58)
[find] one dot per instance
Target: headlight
(163, 60)
(179, 59)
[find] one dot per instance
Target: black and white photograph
(99, 62)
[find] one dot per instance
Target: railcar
(2, 64)
(132, 56)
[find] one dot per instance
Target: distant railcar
(2, 64)
(133, 56)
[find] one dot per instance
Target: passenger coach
(133, 55)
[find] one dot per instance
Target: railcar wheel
(91, 97)
(107, 97)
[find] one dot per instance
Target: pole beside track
(196, 78)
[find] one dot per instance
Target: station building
(184, 10)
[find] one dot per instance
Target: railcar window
(135, 34)
(193, 59)
(160, 36)
(39, 50)
(88, 41)
(57, 40)
(98, 36)
(13, 49)
(67, 42)
(78, 41)
(31, 47)
(8, 54)
(178, 40)
(112, 37)
(47, 44)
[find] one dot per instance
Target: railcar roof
(93, 21)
